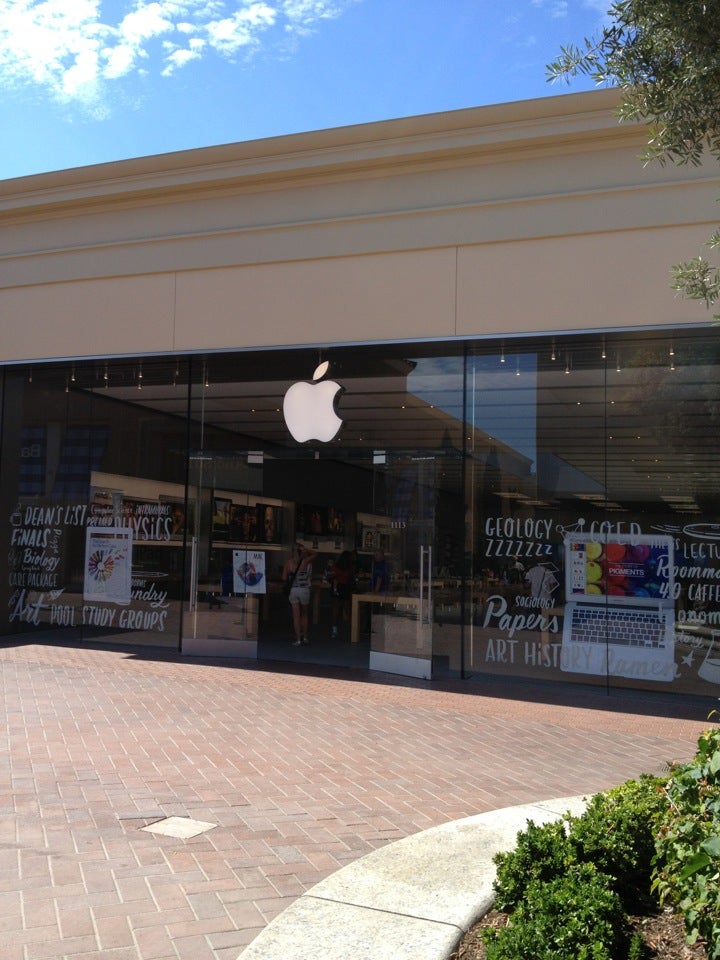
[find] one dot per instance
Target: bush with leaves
(687, 862)
(574, 916)
(542, 852)
(617, 834)
(635, 846)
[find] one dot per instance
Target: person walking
(342, 581)
(297, 574)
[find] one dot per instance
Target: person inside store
(342, 581)
(380, 573)
(297, 579)
(379, 584)
(227, 579)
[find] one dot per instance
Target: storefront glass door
(380, 506)
(397, 608)
(228, 566)
(369, 519)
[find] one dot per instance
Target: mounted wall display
(243, 523)
(181, 517)
(269, 523)
(319, 521)
(335, 521)
(221, 518)
(253, 523)
(310, 519)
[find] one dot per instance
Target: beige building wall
(587, 282)
(376, 297)
(516, 218)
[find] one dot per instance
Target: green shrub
(637, 949)
(687, 862)
(575, 916)
(569, 885)
(541, 853)
(617, 834)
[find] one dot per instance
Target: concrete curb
(409, 900)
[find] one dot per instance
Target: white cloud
(242, 29)
(67, 48)
(54, 44)
(145, 22)
(309, 11)
(178, 58)
(556, 8)
(118, 60)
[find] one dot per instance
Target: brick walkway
(300, 773)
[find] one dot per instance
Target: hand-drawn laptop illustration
(620, 609)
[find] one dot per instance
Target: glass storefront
(543, 508)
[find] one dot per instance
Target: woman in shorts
(298, 570)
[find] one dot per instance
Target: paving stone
(300, 774)
(182, 828)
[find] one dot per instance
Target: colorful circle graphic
(100, 565)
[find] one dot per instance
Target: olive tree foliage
(664, 55)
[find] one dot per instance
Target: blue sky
(87, 81)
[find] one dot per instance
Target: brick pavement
(300, 772)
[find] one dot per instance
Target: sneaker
(297, 643)
(306, 642)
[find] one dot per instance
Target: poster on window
(108, 564)
(249, 571)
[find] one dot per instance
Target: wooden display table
(376, 598)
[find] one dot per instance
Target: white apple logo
(309, 408)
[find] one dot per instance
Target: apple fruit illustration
(309, 408)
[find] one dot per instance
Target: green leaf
(711, 846)
(698, 862)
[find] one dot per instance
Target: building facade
(447, 342)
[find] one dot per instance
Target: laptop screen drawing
(619, 570)
(619, 610)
